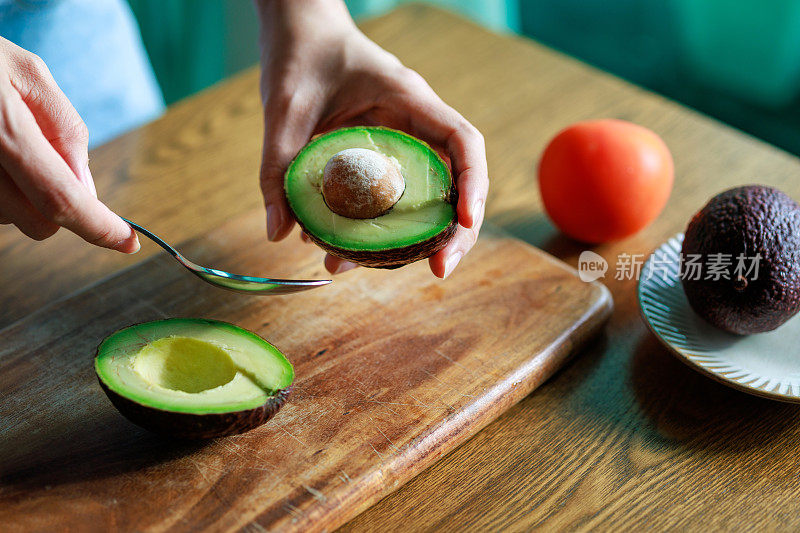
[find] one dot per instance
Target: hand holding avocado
(320, 73)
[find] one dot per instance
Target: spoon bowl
(233, 282)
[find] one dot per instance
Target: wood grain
(624, 437)
(393, 370)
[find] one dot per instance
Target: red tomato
(603, 180)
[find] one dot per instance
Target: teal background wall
(737, 60)
(195, 43)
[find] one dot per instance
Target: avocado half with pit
(193, 378)
(374, 196)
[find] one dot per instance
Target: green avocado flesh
(192, 366)
(423, 211)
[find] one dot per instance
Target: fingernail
(272, 222)
(344, 267)
(475, 210)
(451, 263)
(133, 238)
(136, 244)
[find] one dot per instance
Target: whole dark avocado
(756, 229)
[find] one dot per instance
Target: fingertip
(133, 248)
(129, 245)
(285, 230)
(444, 262)
(451, 263)
(273, 222)
(477, 211)
(466, 217)
(436, 263)
(336, 265)
(279, 223)
(470, 210)
(344, 266)
(331, 263)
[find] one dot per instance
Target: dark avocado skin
(195, 426)
(747, 220)
(395, 257)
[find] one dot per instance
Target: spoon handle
(155, 238)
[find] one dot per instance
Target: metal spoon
(234, 282)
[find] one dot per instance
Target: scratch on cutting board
(292, 510)
(360, 382)
(434, 376)
(382, 433)
(200, 471)
(156, 309)
(358, 389)
(449, 407)
(220, 471)
(266, 469)
(295, 438)
(419, 402)
(471, 372)
(255, 526)
(376, 451)
(384, 404)
(316, 494)
(234, 449)
(277, 480)
(387, 438)
(395, 403)
(344, 477)
(367, 398)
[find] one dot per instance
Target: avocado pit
(361, 183)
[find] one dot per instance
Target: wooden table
(624, 436)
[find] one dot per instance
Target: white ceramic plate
(765, 364)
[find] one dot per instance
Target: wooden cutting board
(394, 369)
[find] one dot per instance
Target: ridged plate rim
(667, 313)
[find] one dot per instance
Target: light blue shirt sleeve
(95, 53)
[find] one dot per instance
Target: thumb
(58, 120)
(289, 121)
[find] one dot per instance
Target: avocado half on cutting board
(193, 378)
(374, 196)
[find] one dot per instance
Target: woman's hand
(45, 181)
(320, 73)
